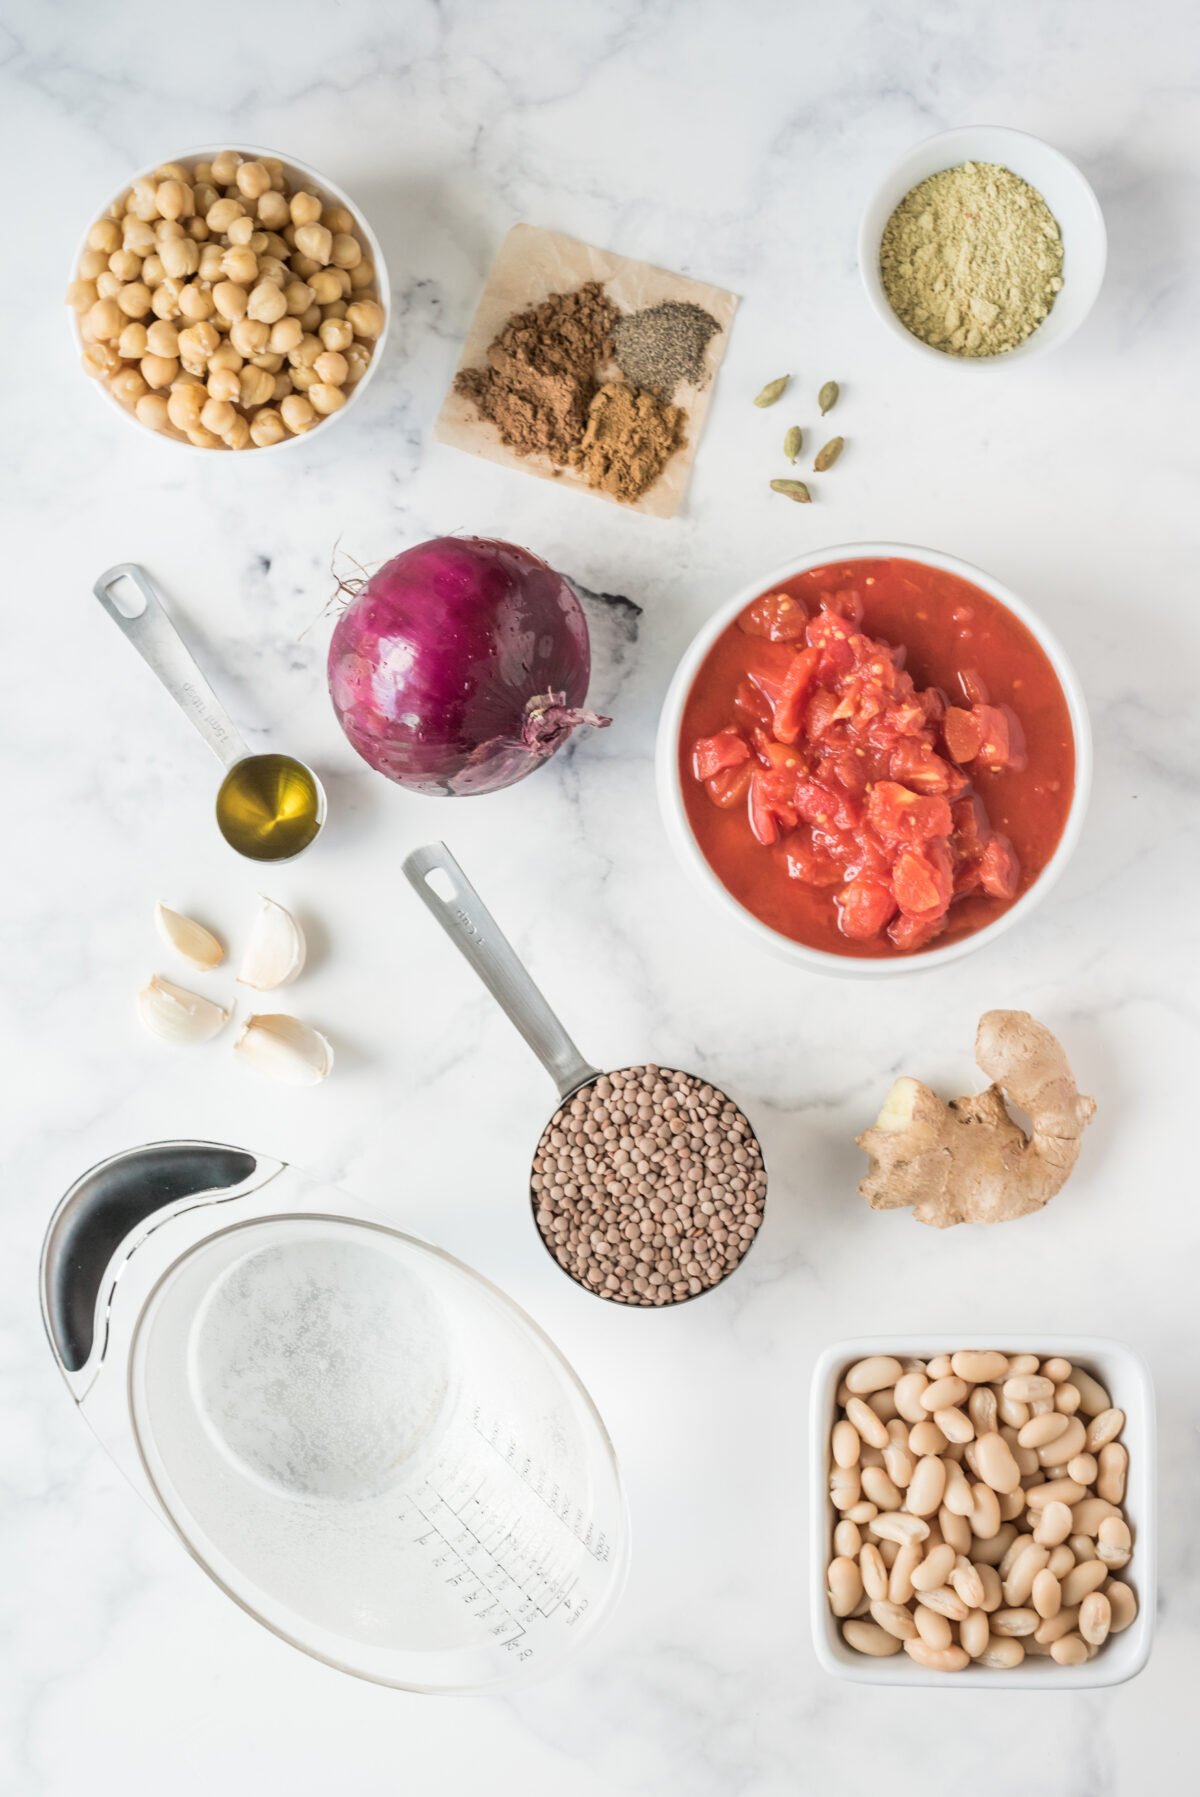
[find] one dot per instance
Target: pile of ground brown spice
(542, 372)
(630, 438)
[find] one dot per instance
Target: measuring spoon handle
(142, 618)
(444, 888)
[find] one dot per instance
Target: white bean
(979, 1366)
(973, 1633)
(945, 1659)
(997, 1467)
(1046, 1594)
(1071, 1650)
(932, 1628)
(844, 1585)
(874, 1572)
(869, 1638)
(927, 1486)
(1123, 1604)
(900, 1587)
(1089, 1575)
(1095, 1618)
(872, 1374)
(1114, 1463)
(1002, 1653)
(935, 1568)
(846, 1444)
(908, 1391)
(1093, 1399)
(895, 1618)
(867, 1424)
(942, 1394)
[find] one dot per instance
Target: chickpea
(125, 265)
(267, 427)
(326, 398)
(159, 371)
(180, 256)
(305, 352)
(299, 297)
(169, 198)
(217, 415)
(195, 303)
(104, 236)
(224, 384)
(81, 295)
(230, 300)
(137, 236)
(326, 287)
(253, 180)
(151, 410)
(255, 386)
(249, 336)
(197, 230)
(128, 386)
(241, 231)
(285, 335)
(221, 215)
(266, 360)
(108, 285)
(267, 302)
(336, 218)
(297, 414)
(273, 210)
(162, 338)
(92, 263)
(270, 268)
(305, 267)
(153, 272)
(100, 359)
(225, 167)
(238, 434)
(167, 230)
(315, 241)
(347, 250)
(203, 439)
(331, 368)
(183, 407)
(303, 379)
(366, 318)
(102, 320)
(199, 342)
(164, 302)
(283, 386)
(336, 333)
(226, 357)
(211, 257)
(240, 265)
(277, 245)
(311, 320)
(173, 171)
(358, 360)
(305, 208)
(204, 194)
(133, 342)
(143, 200)
(362, 276)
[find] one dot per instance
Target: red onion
(461, 666)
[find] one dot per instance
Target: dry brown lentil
(684, 1187)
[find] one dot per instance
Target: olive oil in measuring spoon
(269, 807)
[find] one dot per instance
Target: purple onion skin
(461, 666)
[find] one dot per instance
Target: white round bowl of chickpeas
(230, 299)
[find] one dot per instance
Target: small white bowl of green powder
(982, 246)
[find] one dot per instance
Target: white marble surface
(736, 142)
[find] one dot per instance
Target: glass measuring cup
(366, 1445)
(665, 1194)
(270, 807)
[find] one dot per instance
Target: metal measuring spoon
(444, 889)
(269, 807)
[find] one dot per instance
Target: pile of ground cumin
(543, 389)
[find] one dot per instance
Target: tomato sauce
(876, 757)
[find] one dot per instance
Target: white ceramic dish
(299, 173)
(1061, 185)
(1126, 1378)
(688, 849)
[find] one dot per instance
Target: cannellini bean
(938, 1367)
(945, 1659)
(845, 1486)
(942, 1394)
(1089, 1514)
(844, 1585)
(979, 1366)
(1089, 1575)
(895, 1618)
(991, 1550)
(1122, 1603)
(1014, 1621)
(1066, 1398)
(932, 1628)
(1019, 1583)
(1115, 1542)
(1065, 1446)
(1114, 1463)
(1093, 1399)
(879, 1488)
(955, 1530)
(909, 1386)
(847, 1538)
(1012, 1504)
(898, 1526)
(1057, 1369)
(1046, 1594)
(1083, 1548)
(945, 1601)
(874, 1572)
(1071, 1650)
(878, 1370)
(860, 1413)
(1062, 1491)
(1011, 1410)
(967, 1581)
(1095, 1618)
(993, 1590)
(958, 1497)
(927, 1486)
(985, 1512)
(973, 1633)
(869, 1638)
(898, 1457)
(863, 1511)
(908, 1557)
(926, 1438)
(1084, 1468)
(1040, 1430)
(935, 1568)
(1054, 1523)
(982, 1410)
(845, 1442)
(1022, 1388)
(1055, 1627)
(994, 1460)
(1061, 1561)
(1026, 1458)
(955, 1424)
(1002, 1653)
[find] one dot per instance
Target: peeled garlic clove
(275, 954)
(174, 1015)
(285, 1049)
(188, 938)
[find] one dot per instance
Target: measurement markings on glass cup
(542, 1485)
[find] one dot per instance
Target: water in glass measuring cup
(377, 1453)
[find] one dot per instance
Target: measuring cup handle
(160, 645)
(471, 927)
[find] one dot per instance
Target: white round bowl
(313, 182)
(1061, 185)
(687, 849)
(1126, 1378)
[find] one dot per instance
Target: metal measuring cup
(142, 619)
(444, 889)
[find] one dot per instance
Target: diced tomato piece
(728, 788)
(907, 817)
(915, 765)
(974, 686)
(826, 628)
(829, 806)
(714, 753)
(962, 732)
(822, 709)
(789, 707)
(999, 869)
(863, 908)
(771, 806)
(932, 701)
(837, 660)
(970, 820)
(777, 616)
(1002, 746)
(810, 864)
(776, 755)
(850, 771)
(847, 604)
(923, 881)
(908, 933)
(752, 703)
(967, 877)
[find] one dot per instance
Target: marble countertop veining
(736, 143)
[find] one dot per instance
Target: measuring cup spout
(444, 889)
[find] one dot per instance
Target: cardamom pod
(793, 489)
(772, 391)
(827, 398)
(792, 442)
(825, 458)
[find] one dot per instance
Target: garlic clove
(171, 1014)
(276, 950)
(188, 938)
(285, 1049)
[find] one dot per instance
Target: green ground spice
(971, 260)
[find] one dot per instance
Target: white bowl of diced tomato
(877, 759)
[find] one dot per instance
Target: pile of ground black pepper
(664, 345)
(648, 1186)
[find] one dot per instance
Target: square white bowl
(1126, 1378)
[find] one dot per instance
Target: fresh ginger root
(968, 1161)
